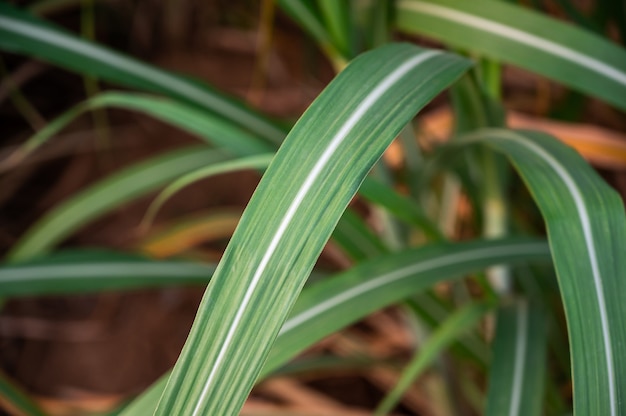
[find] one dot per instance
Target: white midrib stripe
(408, 271)
(593, 257)
(139, 69)
(485, 25)
(321, 163)
(521, 341)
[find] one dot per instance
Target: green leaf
(24, 33)
(123, 186)
(91, 271)
(338, 21)
(291, 216)
(460, 322)
(213, 129)
(17, 400)
(341, 300)
(513, 34)
(252, 162)
(308, 17)
(400, 206)
(518, 370)
(587, 233)
(332, 304)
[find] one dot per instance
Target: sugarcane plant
(259, 312)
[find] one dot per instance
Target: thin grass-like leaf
(460, 322)
(291, 216)
(587, 232)
(24, 33)
(309, 17)
(252, 162)
(123, 186)
(338, 21)
(513, 34)
(213, 129)
(92, 271)
(518, 370)
(332, 304)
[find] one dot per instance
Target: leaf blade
(513, 34)
(306, 172)
(587, 232)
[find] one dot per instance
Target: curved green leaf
(252, 162)
(510, 33)
(291, 216)
(114, 190)
(24, 33)
(587, 233)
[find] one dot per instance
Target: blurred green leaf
(518, 370)
(92, 271)
(16, 400)
(24, 33)
(460, 322)
(513, 34)
(121, 187)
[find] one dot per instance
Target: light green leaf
(514, 34)
(112, 191)
(24, 33)
(518, 370)
(291, 216)
(587, 233)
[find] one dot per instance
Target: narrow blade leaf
(24, 33)
(112, 191)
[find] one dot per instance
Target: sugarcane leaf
(80, 271)
(514, 34)
(332, 304)
(121, 187)
(518, 370)
(291, 216)
(587, 233)
(24, 33)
